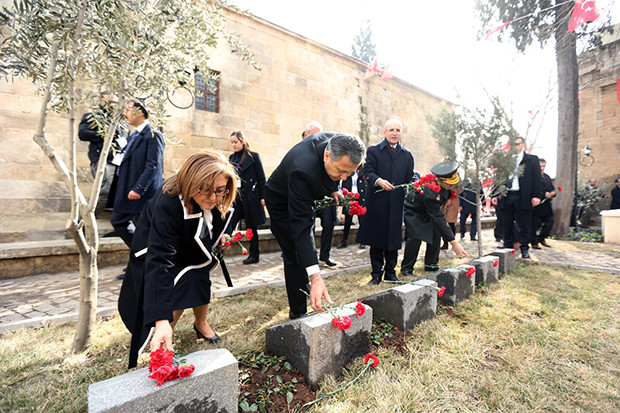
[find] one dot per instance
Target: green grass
(541, 339)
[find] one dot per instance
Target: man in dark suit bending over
(309, 171)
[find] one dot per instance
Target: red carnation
(161, 374)
(160, 357)
(470, 271)
(441, 291)
(238, 236)
(452, 194)
(249, 234)
(513, 252)
(244, 252)
(343, 323)
(174, 374)
(345, 191)
(185, 371)
(559, 188)
(495, 263)
(360, 309)
(356, 196)
(370, 357)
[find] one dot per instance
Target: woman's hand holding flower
(162, 337)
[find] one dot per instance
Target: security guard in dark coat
(425, 221)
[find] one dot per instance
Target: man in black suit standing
(543, 212)
(308, 172)
(388, 164)
(523, 195)
(140, 173)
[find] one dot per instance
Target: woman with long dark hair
(172, 253)
(250, 201)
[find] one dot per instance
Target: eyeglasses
(218, 192)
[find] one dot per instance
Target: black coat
(530, 183)
(170, 260)
(141, 171)
(89, 132)
(615, 198)
(292, 188)
(423, 213)
(545, 208)
(252, 187)
(381, 226)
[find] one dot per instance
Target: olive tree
(73, 49)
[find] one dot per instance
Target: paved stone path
(36, 300)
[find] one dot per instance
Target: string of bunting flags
(583, 12)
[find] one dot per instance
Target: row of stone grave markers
(311, 344)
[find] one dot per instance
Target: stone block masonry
(212, 387)
(507, 259)
(487, 271)
(458, 285)
(316, 347)
(406, 305)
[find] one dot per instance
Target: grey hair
(350, 145)
(315, 124)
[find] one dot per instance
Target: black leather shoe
(120, 276)
(250, 260)
(374, 281)
(544, 244)
(362, 246)
(213, 340)
(391, 278)
(342, 245)
(432, 267)
(474, 239)
(444, 247)
(408, 273)
(525, 254)
(536, 247)
(329, 262)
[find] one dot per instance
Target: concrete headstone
(212, 387)
(487, 269)
(316, 347)
(507, 259)
(458, 285)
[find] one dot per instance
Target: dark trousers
(412, 248)
(124, 225)
(348, 221)
(452, 226)
(295, 275)
(328, 220)
(498, 231)
(474, 227)
(547, 223)
(238, 215)
(379, 257)
(512, 210)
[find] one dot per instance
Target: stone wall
(300, 81)
(599, 112)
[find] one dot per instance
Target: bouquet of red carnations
(165, 367)
(349, 200)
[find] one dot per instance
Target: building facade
(301, 80)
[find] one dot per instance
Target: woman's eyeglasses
(218, 192)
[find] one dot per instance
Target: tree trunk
(478, 221)
(568, 118)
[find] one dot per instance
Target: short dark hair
(140, 106)
(541, 160)
(340, 145)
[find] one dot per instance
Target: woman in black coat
(172, 253)
(250, 201)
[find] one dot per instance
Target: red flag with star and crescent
(584, 11)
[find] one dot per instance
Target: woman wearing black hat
(425, 221)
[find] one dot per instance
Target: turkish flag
(496, 29)
(373, 67)
(387, 74)
(584, 11)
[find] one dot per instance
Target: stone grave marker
(458, 285)
(316, 347)
(487, 269)
(212, 387)
(406, 305)
(507, 259)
